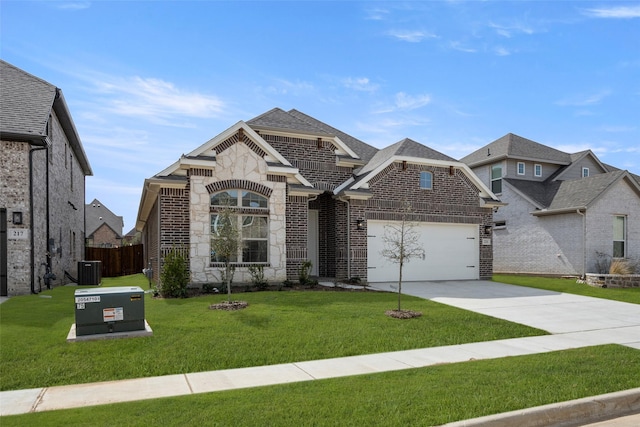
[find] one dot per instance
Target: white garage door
(452, 252)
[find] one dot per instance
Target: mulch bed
(229, 305)
(403, 314)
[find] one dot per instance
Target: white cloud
(502, 51)
(458, 46)
(508, 30)
(376, 14)
(360, 83)
(411, 36)
(584, 100)
(78, 5)
(155, 98)
(409, 102)
(615, 12)
(288, 87)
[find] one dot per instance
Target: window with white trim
(585, 172)
(619, 236)
(496, 178)
(520, 168)
(537, 170)
(426, 180)
(251, 215)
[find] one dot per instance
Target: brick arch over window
(232, 184)
(240, 137)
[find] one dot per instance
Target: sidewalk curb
(571, 413)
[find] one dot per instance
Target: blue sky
(148, 81)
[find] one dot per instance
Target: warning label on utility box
(112, 314)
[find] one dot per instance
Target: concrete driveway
(554, 312)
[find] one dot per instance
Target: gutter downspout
(31, 216)
(584, 242)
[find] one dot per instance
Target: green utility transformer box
(109, 310)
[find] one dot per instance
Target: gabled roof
(582, 193)
(362, 149)
(541, 194)
(516, 147)
(278, 119)
(404, 148)
(295, 122)
(26, 102)
(96, 214)
(415, 153)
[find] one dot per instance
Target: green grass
(277, 327)
(570, 286)
(418, 397)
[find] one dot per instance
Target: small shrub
(257, 277)
(287, 283)
(210, 288)
(603, 263)
(620, 266)
(303, 273)
(175, 275)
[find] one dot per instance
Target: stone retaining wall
(613, 280)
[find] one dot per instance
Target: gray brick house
(304, 190)
(565, 213)
(42, 185)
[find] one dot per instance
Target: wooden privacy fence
(120, 261)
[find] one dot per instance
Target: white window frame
(585, 172)
(497, 179)
(430, 186)
(518, 168)
(241, 214)
(620, 239)
(537, 170)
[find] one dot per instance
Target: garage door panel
(451, 253)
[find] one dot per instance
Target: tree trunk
(227, 269)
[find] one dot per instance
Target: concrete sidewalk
(574, 321)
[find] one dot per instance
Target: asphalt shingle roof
(541, 193)
(279, 119)
(25, 102)
(407, 148)
(362, 149)
(517, 147)
(97, 214)
(582, 192)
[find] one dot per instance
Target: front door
(312, 241)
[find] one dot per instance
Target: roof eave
(547, 212)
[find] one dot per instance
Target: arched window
(250, 213)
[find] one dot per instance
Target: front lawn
(415, 397)
(277, 327)
(570, 286)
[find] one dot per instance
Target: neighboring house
(42, 185)
(306, 191)
(565, 213)
(131, 238)
(103, 228)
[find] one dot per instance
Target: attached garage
(451, 253)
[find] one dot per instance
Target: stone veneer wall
(239, 164)
(613, 280)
